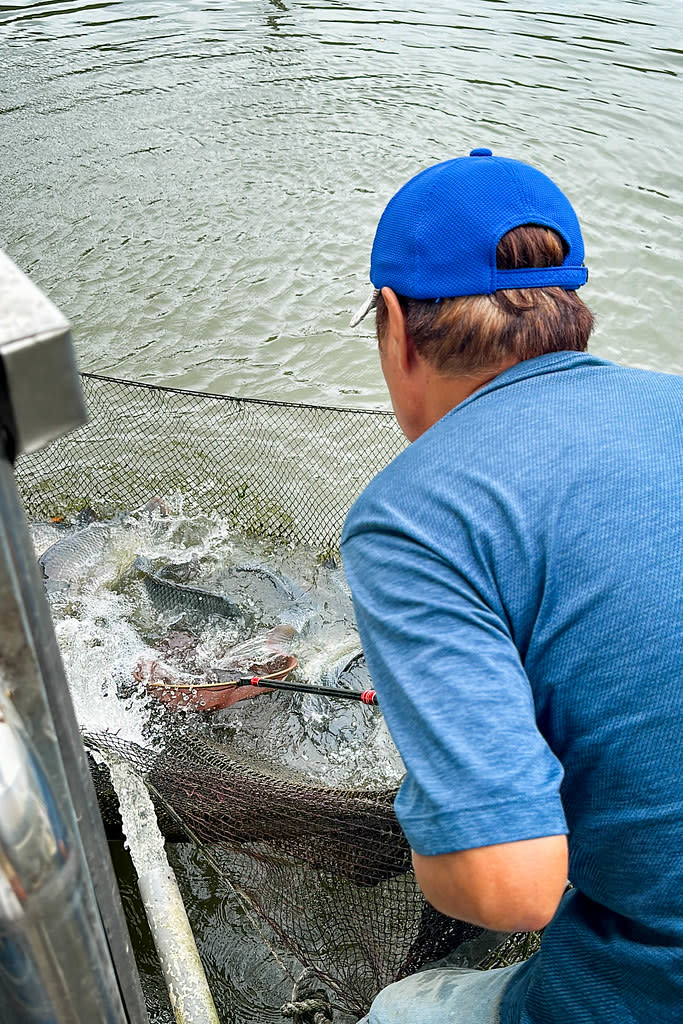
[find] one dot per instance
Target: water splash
(106, 625)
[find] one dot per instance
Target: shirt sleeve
(453, 692)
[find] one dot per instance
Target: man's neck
(440, 393)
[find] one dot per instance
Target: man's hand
(511, 887)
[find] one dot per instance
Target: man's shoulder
(382, 491)
(563, 371)
(507, 431)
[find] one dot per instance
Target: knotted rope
(310, 1004)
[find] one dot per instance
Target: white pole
(186, 982)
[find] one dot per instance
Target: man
(516, 574)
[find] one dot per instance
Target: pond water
(197, 184)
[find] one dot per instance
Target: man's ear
(396, 335)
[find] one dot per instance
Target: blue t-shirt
(517, 579)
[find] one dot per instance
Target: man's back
(541, 539)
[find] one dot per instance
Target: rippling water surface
(197, 184)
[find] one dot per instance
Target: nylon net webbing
(328, 868)
(269, 468)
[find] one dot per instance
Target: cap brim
(361, 313)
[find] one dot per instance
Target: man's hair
(474, 333)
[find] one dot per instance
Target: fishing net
(327, 868)
(270, 468)
(324, 864)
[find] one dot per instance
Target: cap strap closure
(542, 277)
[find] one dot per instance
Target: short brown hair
(474, 333)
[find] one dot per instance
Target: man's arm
(508, 887)
(481, 778)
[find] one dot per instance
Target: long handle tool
(364, 696)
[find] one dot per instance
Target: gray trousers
(443, 995)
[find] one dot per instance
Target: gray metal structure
(65, 952)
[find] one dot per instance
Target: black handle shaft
(365, 696)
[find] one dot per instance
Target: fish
(247, 593)
(177, 681)
(84, 544)
(67, 557)
(172, 597)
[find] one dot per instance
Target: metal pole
(181, 965)
(65, 952)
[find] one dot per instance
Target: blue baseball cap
(438, 235)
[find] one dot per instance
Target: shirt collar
(552, 362)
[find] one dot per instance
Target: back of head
(485, 255)
(473, 334)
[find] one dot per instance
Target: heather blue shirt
(516, 575)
